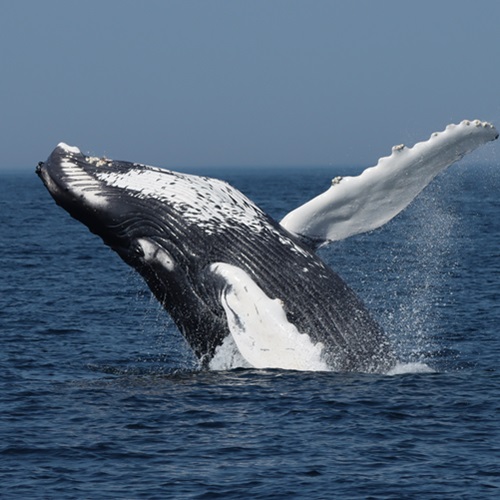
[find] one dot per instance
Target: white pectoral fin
(354, 205)
(259, 326)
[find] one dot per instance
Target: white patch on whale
(259, 326)
(208, 203)
(153, 252)
(82, 184)
(69, 149)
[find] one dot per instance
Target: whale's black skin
(162, 239)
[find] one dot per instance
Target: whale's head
(169, 226)
(145, 213)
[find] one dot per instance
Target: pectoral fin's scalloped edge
(354, 205)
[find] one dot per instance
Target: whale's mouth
(71, 179)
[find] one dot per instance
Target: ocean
(101, 397)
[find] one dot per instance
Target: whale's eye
(137, 249)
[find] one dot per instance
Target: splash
(228, 357)
(405, 283)
(423, 267)
(407, 368)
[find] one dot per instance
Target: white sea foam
(404, 368)
(228, 357)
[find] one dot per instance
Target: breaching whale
(236, 282)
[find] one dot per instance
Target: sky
(242, 82)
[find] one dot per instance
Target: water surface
(101, 398)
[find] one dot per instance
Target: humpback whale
(235, 281)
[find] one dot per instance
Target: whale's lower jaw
(227, 273)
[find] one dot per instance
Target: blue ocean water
(101, 398)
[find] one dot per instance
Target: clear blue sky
(231, 82)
